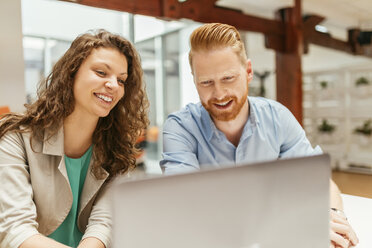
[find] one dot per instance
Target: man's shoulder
(188, 122)
(270, 112)
(264, 104)
(191, 110)
(188, 116)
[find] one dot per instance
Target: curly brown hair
(115, 135)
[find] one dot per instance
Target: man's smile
(223, 105)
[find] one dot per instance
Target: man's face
(221, 80)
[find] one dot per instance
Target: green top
(68, 232)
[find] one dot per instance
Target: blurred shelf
(342, 98)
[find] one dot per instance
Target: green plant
(323, 84)
(361, 81)
(325, 127)
(366, 129)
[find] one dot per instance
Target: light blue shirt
(191, 140)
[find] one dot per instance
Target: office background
(35, 33)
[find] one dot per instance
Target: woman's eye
(121, 81)
(101, 73)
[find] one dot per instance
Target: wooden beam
(205, 11)
(325, 40)
(288, 61)
(351, 46)
(357, 48)
(310, 21)
(197, 10)
(142, 7)
(311, 35)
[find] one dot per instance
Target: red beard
(234, 107)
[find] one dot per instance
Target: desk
(359, 213)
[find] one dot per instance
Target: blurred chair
(141, 145)
(152, 134)
(4, 110)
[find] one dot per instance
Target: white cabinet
(334, 106)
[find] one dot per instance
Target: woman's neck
(78, 134)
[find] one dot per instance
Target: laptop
(282, 203)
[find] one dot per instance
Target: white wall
(318, 58)
(12, 90)
(65, 20)
(146, 27)
(262, 59)
(188, 90)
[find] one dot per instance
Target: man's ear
(249, 70)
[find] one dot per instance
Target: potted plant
(362, 81)
(326, 129)
(364, 132)
(323, 85)
(326, 92)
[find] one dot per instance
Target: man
(230, 127)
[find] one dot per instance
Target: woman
(57, 159)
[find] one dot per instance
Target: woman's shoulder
(18, 138)
(12, 146)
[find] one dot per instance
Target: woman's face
(99, 83)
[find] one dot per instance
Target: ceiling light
(321, 29)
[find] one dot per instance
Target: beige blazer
(35, 193)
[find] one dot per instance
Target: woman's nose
(113, 83)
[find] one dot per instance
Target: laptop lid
(283, 203)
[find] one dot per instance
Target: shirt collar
(252, 121)
(55, 144)
(207, 123)
(210, 128)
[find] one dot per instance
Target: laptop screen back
(283, 203)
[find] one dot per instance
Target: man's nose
(219, 91)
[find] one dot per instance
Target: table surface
(359, 213)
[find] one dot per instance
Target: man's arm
(335, 197)
(179, 149)
(292, 136)
(295, 143)
(341, 233)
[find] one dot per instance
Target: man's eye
(206, 83)
(228, 78)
